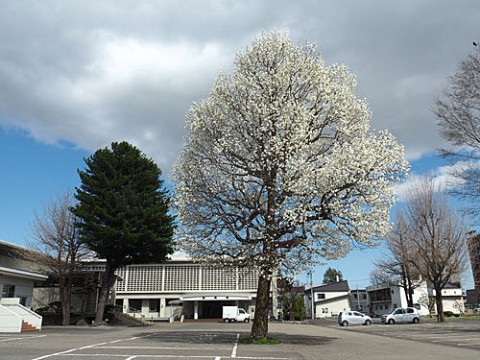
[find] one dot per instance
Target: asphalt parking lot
(166, 341)
(217, 341)
(459, 334)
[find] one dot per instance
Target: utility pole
(358, 301)
(312, 315)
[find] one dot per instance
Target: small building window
(320, 296)
(8, 291)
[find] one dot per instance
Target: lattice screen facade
(186, 278)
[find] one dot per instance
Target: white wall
(9, 321)
(23, 288)
(329, 309)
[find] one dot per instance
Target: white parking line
(23, 338)
(469, 345)
(178, 356)
(56, 354)
(160, 348)
(101, 346)
(92, 346)
(115, 341)
(235, 347)
(437, 336)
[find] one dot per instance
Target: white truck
(234, 313)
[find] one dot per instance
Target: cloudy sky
(77, 75)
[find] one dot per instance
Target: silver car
(346, 318)
(401, 315)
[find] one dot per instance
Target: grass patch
(260, 341)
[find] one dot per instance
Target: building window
(8, 291)
(135, 305)
(154, 305)
(320, 296)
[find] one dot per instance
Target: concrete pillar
(125, 306)
(195, 310)
(162, 307)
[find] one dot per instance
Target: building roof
(332, 299)
(341, 286)
(21, 259)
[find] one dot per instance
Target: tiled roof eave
(22, 274)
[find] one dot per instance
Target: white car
(401, 315)
(346, 318)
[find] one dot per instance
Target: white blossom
(280, 165)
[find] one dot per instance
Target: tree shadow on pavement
(196, 337)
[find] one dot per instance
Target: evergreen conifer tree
(123, 211)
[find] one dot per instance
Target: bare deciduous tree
(437, 234)
(56, 235)
(396, 268)
(458, 113)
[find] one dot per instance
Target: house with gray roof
(329, 299)
(20, 268)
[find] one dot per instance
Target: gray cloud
(91, 73)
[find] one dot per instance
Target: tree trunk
(410, 295)
(439, 303)
(107, 282)
(260, 322)
(64, 299)
(66, 305)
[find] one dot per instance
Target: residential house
(385, 297)
(329, 299)
(359, 300)
(20, 268)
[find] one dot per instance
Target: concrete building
(181, 287)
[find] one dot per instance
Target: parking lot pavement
(18, 337)
(464, 334)
(222, 341)
(185, 341)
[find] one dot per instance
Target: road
(217, 341)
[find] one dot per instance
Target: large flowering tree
(280, 168)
